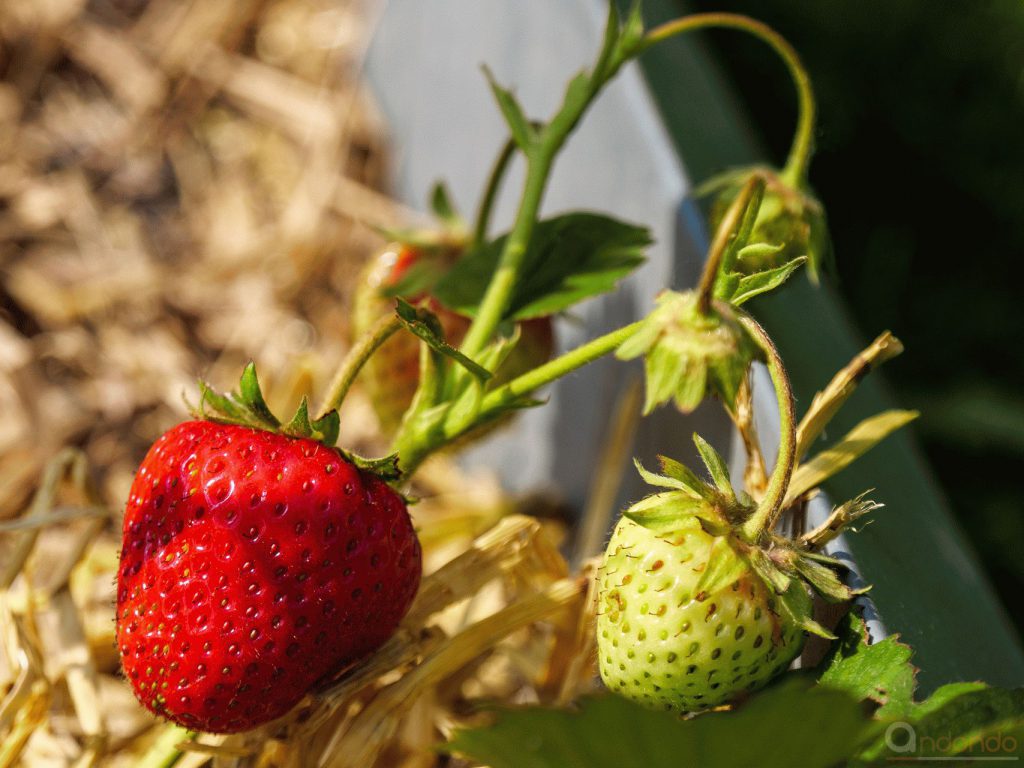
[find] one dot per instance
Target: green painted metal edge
(928, 584)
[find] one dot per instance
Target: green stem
(557, 368)
(499, 291)
(545, 143)
(728, 232)
(483, 216)
(164, 752)
(795, 170)
(501, 397)
(356, 359)
(767, 512)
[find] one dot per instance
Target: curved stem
(795, 170)
(767, 512)
(356, 359)
(725, 238)
(483, 216)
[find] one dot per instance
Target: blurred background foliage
(920, 163)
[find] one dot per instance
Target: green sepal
(825, 581)
(251, 397)
(248, 408)
(688, 353)
(677, 477)
(716, 467)
(831, 562)
(791, 605)
(424, 324)
(724, 567)
(770, 573)
(788, 215)
(673, 510)
(385, 467)
(749, 286)
(684, 475)
(224, 409)
(325, 429)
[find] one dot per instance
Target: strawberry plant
(271, 582)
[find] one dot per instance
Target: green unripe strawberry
(789, 217)
(666, 644)
(694, 611)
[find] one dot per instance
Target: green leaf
(523, 132)
(424, 324)
(969, 719)
(570, 258)
(881, 673)
(716, 466)
(854, 444)
(761, 282)
(821, 726)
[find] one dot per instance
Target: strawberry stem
(540, 144)
(767, 512)
(356, 358)
(166, 750)
(417, 447)
(795, 170)
(726, 236)
(483, 216)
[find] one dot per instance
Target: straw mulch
(185, 186)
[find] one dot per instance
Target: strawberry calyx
(789, 221)
(689, 352)
(246, 407)
(787, 567)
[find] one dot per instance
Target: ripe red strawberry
(392, 374)
(254, 564)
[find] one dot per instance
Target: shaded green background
(920, 163)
